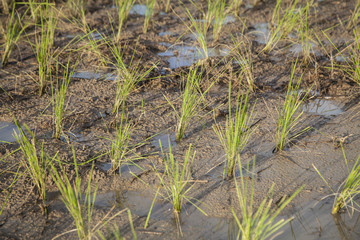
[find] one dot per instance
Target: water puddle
(321, 106)
(184, 55)
(7, 131)
(94, 75)
(166, 33)
(261, 33)
(139, 9)
(317, 222)
(166, 141)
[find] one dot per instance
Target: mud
(333, 115)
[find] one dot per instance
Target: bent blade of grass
(237, 132)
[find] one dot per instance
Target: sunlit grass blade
(150, 4)
(123, 9)
(220, 16)
(355, 16)
(264, 222)
(78, 10)
(237, 132)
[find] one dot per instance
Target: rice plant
(78, 10)
(80, 207)
(263, 223)
(348, 190)
(35, 162)
(235, 6)
(128, 76)
(120, 146)
(355, 16)
(5, 6)
(44, 42)
(11, 33)
(305, 34)
(199, 29)
(123, 8)
(150, 4)
(282, 24)
(175, 181)
(58, 98)
(192, 97)
(237, 132)
(243, 56)
(288, 114)
(167, 5)
(220, 15)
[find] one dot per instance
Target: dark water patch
(7, 132)
(94, 75)
(185, 55)
(322, 106)
(166, 141)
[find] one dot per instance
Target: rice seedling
(5, 6)
(80, 207)
(167, 5)
(175, 181)
(243, 56)
(263, 223)
(129, 75)
(305, 34)
(199, 29)
(11, 33)
(235, 6)
(288, 118)
(36, 164)
(78, 10)
(150, 4)
(115, 232)
(237, 132)
(192, 97)
(220, 15)
(355, 16)
(120, 146)
(348, 190)
(282, 24)
(58, 98)
(123, 9)
(44, 42)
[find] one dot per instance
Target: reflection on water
(323, 107)
(7, 131)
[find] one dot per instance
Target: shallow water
(139, 9)
(166, 140)
(320, 106)
(185, 55)
(7, 131)
(94, 75)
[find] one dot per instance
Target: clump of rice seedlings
(282, 24)
(11, 33)
(78, 10)
(192, 97)
(123, 9)
(199, 29)
(288, 118)
(243, 57)
(167, 5)
(175, 181)
(348, 190)
(355, 16)
(220, 15)
(264, 223)
(129, 75)
(43, 47)
(305, 34)
(80, 207)
(150, 4)
(120, 146)
(5, 6)
(58, 98)
(36, 164)
(237, 132)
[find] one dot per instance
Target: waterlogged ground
(333, 113)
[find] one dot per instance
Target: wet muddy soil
(333, 113)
